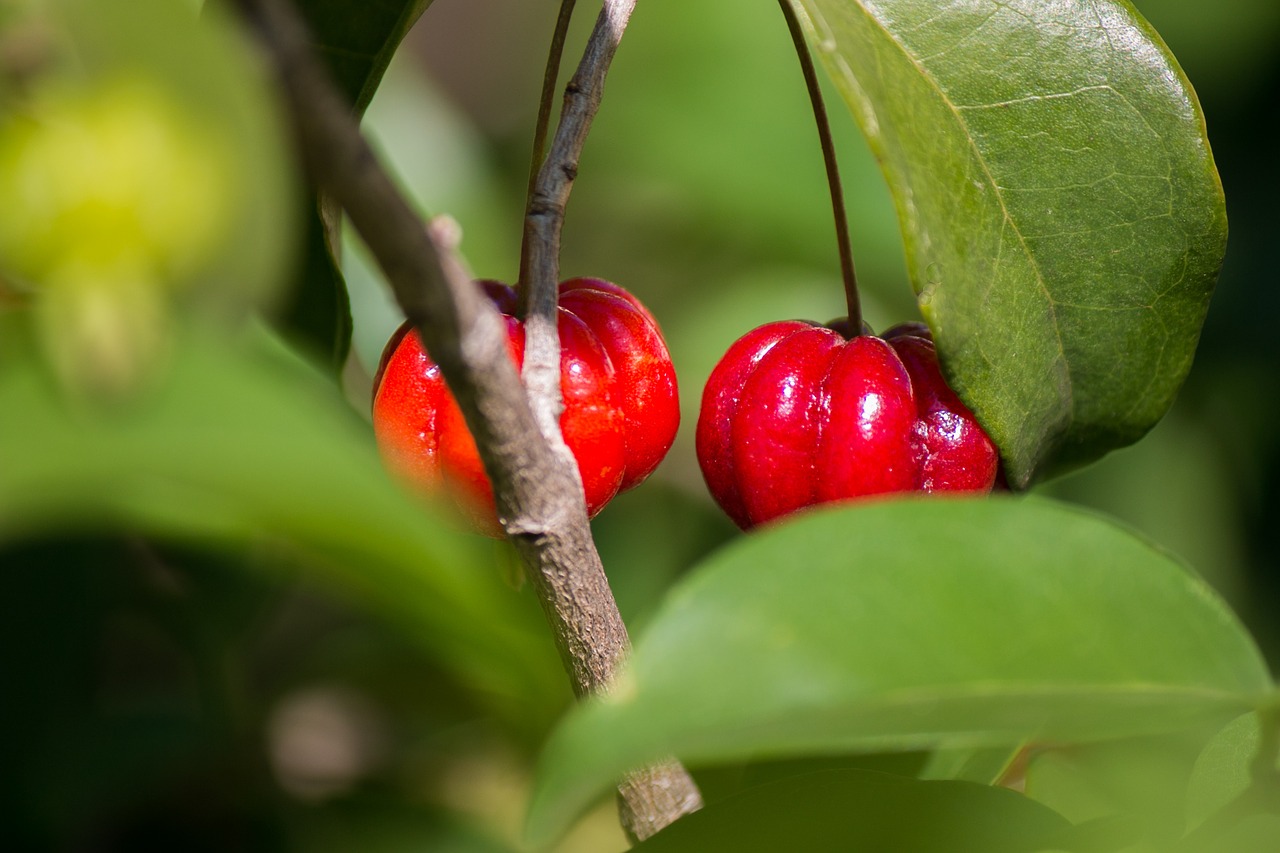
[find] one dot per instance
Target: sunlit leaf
(1063, 219)
(911, 624)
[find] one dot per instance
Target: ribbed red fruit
(795, 414)
(621, 408)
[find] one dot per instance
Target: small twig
(545, 214)
(847, 273)
(549, 77)
(538, 493)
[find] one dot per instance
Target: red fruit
(954, 453)
(621, 408)
(795, 415)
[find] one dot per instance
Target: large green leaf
(239, 445)
(840, 810)
(1063, 219)
(356, 39)
(911, 624)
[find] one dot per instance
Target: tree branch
(538, 494)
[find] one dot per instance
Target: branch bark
(536, 484)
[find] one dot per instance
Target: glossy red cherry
(621, 408)
(796, 414)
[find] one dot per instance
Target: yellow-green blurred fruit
(104, 333)
(111, 176)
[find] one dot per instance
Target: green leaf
(247, 445)
(841, 810)
(986, 766)
(1063, 219)
(1258, 833)
(317, 316)
(357, 41)
(1222, 771)
(385, 823)
(1225, 770)
(1140, 781)
(910, 624)
(357, 38)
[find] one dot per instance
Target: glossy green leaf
(357, 41)
(840, 810)
(240, 445)
(1063, 219)
(910, 624)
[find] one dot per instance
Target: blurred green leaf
(986, 766)
(383, 824)
(1141, 781)
(251, 446)
(1225, 770)
(908, 624)
(721, 781)
(841, 810)
(1255, 834)
(1062, 214)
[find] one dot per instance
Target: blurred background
(265, 713)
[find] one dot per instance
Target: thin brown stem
(538, 493)
(847, 273)
(544, 219)
(549, 78)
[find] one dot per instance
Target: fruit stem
(549, 77)
(829, 158)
